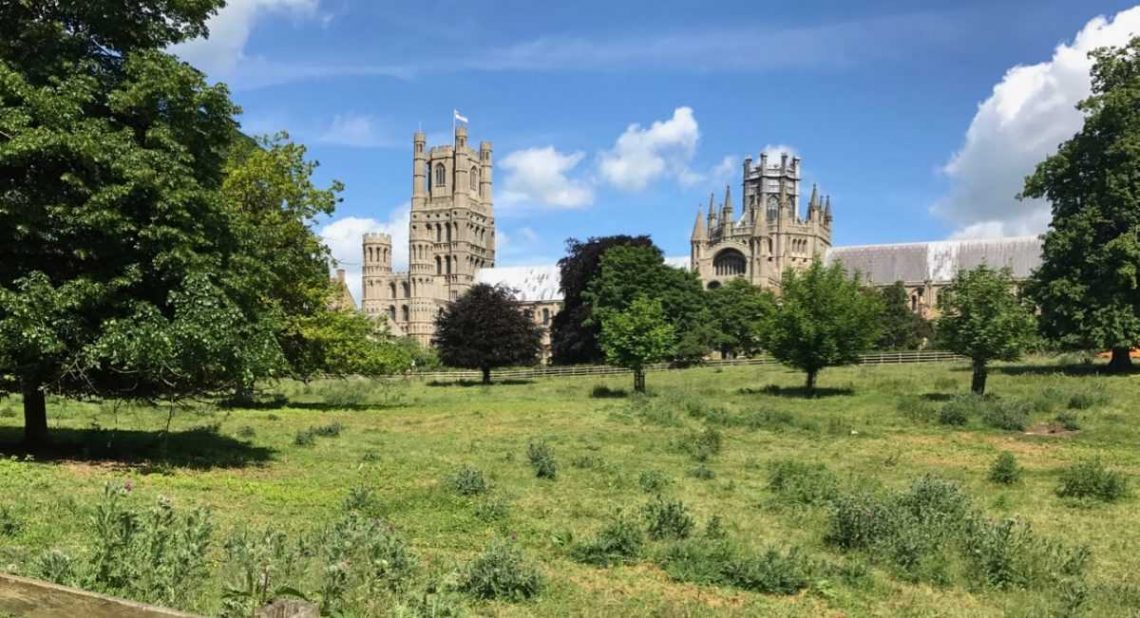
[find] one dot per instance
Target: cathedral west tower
(451, 236)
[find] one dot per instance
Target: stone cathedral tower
(451, 236)
(769, 236)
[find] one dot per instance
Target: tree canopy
(574, 336)
(983, 319)
(487, 328)
(900, 328)
(147, 249)
(824, 318)
(737, 311)
(637, 337)
(1088, 285)
(628, 272)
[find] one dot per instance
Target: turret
(813, 204)
(485, 173)
(827, 210)
(419, 170)
(377, 253)
(699, 232)
(712, 214)
(727, 212)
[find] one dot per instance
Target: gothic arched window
(404, 311)
(729, 262)
(773, 208)
(407, 290)
(545, 317)
(392, 312)
(438, 266)
(392, 290)
(474, 179)
(440, 175)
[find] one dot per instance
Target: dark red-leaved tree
(487, 328)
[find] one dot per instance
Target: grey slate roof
(938, 261)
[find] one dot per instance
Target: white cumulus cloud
(1028, 114)
(345, 235)
(642, 155)
(220, 54)
(539, 176)
(355, 130)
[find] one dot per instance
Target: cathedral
(451, 243)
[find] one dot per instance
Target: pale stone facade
(452, 244)
(450, 237)
(769, 236)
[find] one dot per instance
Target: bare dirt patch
(1051, 429)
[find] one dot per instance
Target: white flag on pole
(462, 119)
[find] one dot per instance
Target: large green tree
(282, 265)
(628, 272)
(737, 311)
(573, 334)
(637, 337)
(1088, 285)
(487, 328)
(900, 328)
(824, 318)
(983, 318)
(113, 236)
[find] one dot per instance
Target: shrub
(1068, 420)
(331, 430)
(714, 528)
(156, 555)
(55, 566)
(246, 432)
(618, 542)
(668, 519)
(1005, 470)
(770, 572)
(601, 391)
(702, 445)
(493, 509)
(652, 481)
(917, 409)
(655, 411)
(702, 472)
(802, 483)
(1007, 415)
(1006, 554)
(699, 560)
(1084, 400)
(542, 460)
(10, 525)
(359, 499)
(502, 572)
(468, 481)
(305, 438)
(365, 552)
(1090, 480)
(768, 418)
(958, 410)
(858, 521)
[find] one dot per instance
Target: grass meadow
(723, 492)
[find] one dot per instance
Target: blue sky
(919, 119)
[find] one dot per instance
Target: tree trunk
(978, 382)
(1121, 360)
(639, 380)
(486, 375)
(35, 414)
(810, 385)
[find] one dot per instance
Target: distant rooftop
(542, 282)
(938, 261)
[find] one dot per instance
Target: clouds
(641, 157)
(539, 176)
(1028, 114)
(356, 131)
(343, 237)
(220, 54)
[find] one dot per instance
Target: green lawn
(876, 430)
